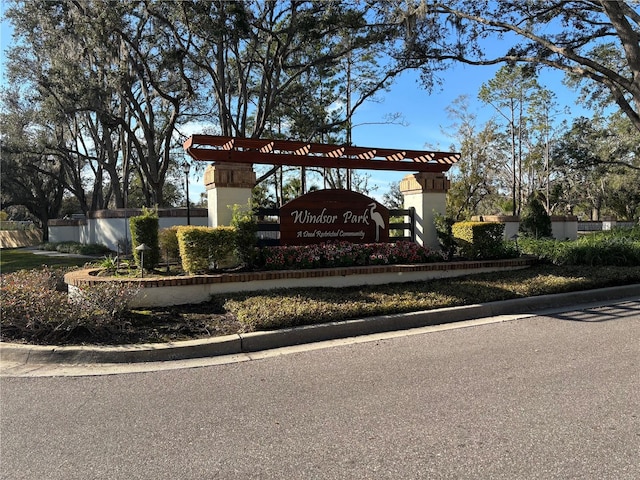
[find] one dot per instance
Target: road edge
(258, 341)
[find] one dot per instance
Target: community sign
(333, 215)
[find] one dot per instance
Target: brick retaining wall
(164, 291)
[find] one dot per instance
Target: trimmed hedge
(168, 241)
(200, 247)
(480, 240)
(144, 229)
(246, 238)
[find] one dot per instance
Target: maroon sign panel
(339, 215)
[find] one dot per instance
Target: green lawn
(14, 259)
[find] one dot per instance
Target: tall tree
(477, 179)
(113, 79)
(255, 54)
(30, 176)
(594, 158)
(597, 41)
(509, 93)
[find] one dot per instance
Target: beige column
(227, 184)
(427, 193)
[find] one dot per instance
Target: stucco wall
(20, 238)
(109, 227)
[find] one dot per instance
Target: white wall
(107, 230)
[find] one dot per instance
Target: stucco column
(427, 193)
(227, 184)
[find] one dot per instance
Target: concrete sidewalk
(16, 358)
(54, 253)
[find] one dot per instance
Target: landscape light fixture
(142, 248)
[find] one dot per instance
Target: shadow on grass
(12, 260)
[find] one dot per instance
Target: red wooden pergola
(211, 148)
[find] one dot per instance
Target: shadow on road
(601, 314)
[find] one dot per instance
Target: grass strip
(294, 307)
(12, 260)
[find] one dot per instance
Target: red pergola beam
(284, 152)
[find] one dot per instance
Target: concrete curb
(258, 341)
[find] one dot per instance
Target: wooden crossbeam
(285, 152)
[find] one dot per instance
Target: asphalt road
(555, 397)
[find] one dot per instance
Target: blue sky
(423, 111)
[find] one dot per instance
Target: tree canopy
(99, 99)
(595, 42)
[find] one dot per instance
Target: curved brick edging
(166, 291)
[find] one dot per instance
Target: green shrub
(64, 247)
(168, 242)
(246, 230)
(632, 233)
(480, 240)
(109, 263)
(545, 249)
(535, 221)
(75, 248)
(144, 229)
(202, 247)
(444, 232)
(603, 250)
(616, 248)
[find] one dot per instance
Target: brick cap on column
(425, 182)
(229, 175)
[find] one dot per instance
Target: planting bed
(192, 289)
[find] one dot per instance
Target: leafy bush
(480, 240)
(619, 247)
(105, 302)
(344, 254)
(36, 307)
(444, 232)
(246, 229)
(144, 229)
(109, 263)
(168, 242)
(200, 247)
(93, 249)
(535, 221)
